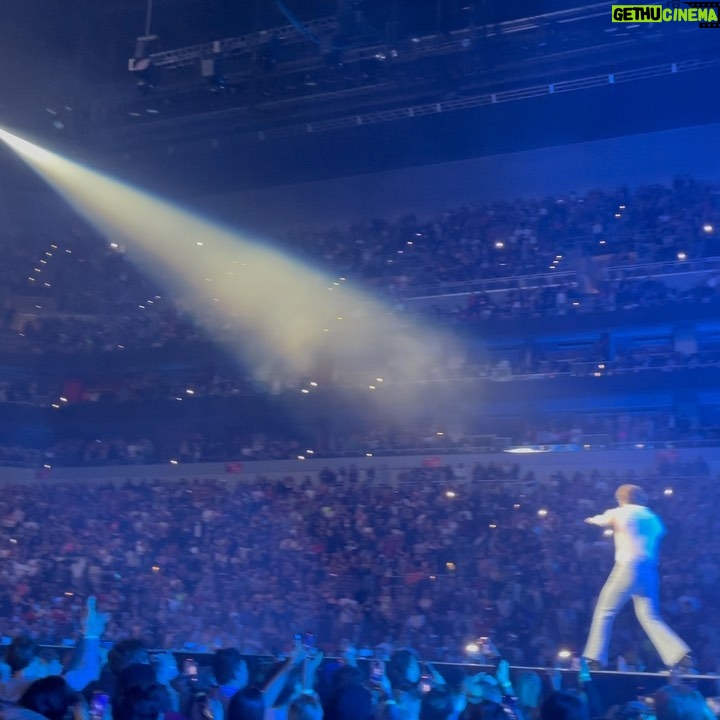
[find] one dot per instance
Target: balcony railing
(532, 282)
(652, 270)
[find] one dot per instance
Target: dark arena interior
(359, 359)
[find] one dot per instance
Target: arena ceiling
(65, 81)
(71, 54)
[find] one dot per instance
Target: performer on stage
(637, 531)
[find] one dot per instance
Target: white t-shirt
(637, 531)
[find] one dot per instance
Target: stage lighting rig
(141, 63)
(212, 74)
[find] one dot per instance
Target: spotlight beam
(287, 310)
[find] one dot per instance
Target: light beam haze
(277, 314)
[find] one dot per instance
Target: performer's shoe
(685, 666)
(593, 664)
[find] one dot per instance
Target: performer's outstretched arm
(604, 520)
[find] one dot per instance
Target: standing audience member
(305, 707)
(231, 674)
(166, 671)
(246, 704)
(138, 703)
(25, 667)
(564, 705)
(403, 672)
(529, 690)
(680, 702)
(122, 655)
(50, 697)
(20, 659)
(348, 698)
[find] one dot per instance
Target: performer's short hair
(631, 495)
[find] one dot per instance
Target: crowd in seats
(369, 578)
(439, 557)
(84, 294)
(572, 300)
(134, 684)
(136, 327)
(443, 556)
(586, 361)
(599, 430)
(125, 386)
(618, 427)
(524, 237)
(105, 333)
(74, 272)
(520, 362)
(75, 293)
